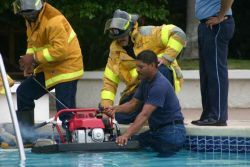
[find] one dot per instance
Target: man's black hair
(148, 57)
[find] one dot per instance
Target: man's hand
(28, 71)
(122, 140)
(215, 20)
(26, 63)
(110, 111)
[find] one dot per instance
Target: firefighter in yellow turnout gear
(167, 41)
(10, 81)
(53, 55)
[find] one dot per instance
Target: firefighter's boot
(26, 123)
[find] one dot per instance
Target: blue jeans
(213, 51)
(127, 118)
(29, 90)
(168, 139)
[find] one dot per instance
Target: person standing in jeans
(215, 30)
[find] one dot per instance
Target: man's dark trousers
(30, 90)
(213, 50)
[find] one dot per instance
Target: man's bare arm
(140, 119)
(128, 106)
(137, 125)
(125, 108)
(225, 6)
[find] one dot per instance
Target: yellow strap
(47, 56)
(111, 76)
(108, 95)
(61, 77)
(165, 33)
(30, 51)
(71, 36)
(174, 44)
(133, 73)
(177, 86)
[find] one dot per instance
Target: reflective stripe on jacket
(166, 41)
(55, 46)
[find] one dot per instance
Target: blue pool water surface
(9, 158)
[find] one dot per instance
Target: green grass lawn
(232, 64)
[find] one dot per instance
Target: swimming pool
(126, 159)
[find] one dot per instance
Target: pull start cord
(53, 96)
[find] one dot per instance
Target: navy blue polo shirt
(160, 93)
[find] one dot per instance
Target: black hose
(41, 125)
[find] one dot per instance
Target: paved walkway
(238, 123)
(193, 114)
(233, 114)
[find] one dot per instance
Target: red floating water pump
(87, 126)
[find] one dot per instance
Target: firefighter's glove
(27, 64)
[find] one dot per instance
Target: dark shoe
(209, 122)
(195, 121)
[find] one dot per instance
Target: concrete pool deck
(238, 124)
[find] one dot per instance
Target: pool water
(10, 158)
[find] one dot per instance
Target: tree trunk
(191, 50)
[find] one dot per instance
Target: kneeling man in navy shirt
(161, 109)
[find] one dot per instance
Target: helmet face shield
(116, 23)
(30, 15)
(121, 24)
(118, 27)
(116, 33)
